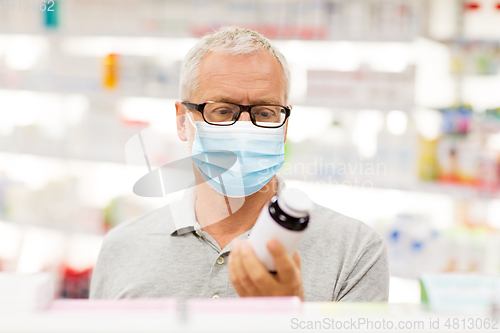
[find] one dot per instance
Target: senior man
(234, 88)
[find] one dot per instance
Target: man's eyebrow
(230, 100)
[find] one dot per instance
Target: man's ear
(286, 124)
(180, 115)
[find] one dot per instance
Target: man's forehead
(258, 72)
(221, 97)
(265, 59)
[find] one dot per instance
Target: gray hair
(232, 40)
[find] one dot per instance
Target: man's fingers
(241, 277)
(259, 275)
(296, 259)
(233, 274)
(285, 265)
(250, 278)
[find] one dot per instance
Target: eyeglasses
(226, 114)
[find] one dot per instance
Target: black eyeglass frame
(243, 108)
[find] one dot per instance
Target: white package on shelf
(25, 292)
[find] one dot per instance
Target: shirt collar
(183, 214)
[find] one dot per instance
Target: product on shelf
(474, 57)
(461, 293)
(428, 166)
(412, 244)
(467, 152)
(25, 292)
(456, 119)
(51, 12)
(111, 68)
(75, 283)
(415, 247)
(362, 88)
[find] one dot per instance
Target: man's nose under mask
(260, 154)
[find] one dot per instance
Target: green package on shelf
(50, 11)
(460, 292)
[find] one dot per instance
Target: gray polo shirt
(165, 253)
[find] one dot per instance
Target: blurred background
(395, 121)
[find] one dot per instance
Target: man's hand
(250, 278)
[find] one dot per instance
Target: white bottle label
(266, 228)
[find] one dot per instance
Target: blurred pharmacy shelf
(378, 128)
(341, 20)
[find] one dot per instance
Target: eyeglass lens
(264, 115)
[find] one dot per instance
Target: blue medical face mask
(260, 154)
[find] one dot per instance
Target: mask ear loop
(220, 177)
(190, 120)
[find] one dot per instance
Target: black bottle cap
(284, 219)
